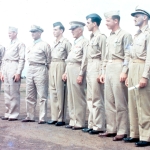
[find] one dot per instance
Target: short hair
(60, 25)
(116, 17)
(97, 20)
(94, 18)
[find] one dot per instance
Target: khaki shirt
(78, 54)
(15, 52)
(2, 52)
(61, 49)
(118, 47)
(141, 48)
(39, 53)
(97, 47)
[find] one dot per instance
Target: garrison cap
(57, 24)
(13, 29)
(93, 16)
(141, 10)
(75, 24)
(36, 28)
(112, 13)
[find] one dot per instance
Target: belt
(94, 60)
(115, 60)
(36, 64)
(11, 60)
(57, 60)
(138, 61)
(71, 63)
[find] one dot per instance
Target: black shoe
(60, 124)
(86, 130)
(12, 119)
(95, 132)
(51, 122)
(130, 140)
(41, 122)
(27, 120)
(142, 144)
(4, 118)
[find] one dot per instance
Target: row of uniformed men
(102, 61)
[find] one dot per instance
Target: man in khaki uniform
(38, 57)
(13, 64)
(116, 58)
(2, 52)
(59, 53)
(139, 73)
(95, 90)
(75, 76)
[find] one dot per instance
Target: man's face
(57, 31)
(12, 35)
(138, 19)
(36, 35)
(76, 32)
(110, 23)
(90, 25)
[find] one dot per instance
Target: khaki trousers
(95, 97)
(116, 100)
(76, 96)
(11, 90)
(56, 86)
(36, 83)
(139, 104)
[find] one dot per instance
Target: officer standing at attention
(38, 57)
(13, 64)
(139, 101)
(75, 76)
(95, 90)
(59, 53)
(116, 62)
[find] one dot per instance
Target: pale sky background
(24, 13)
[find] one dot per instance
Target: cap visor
(136, 12)
(73, 27)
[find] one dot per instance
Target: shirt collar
(95, 33)
(60, 41)
(143, 29)
(37, 41)
(78, 39)
(13, 41)
(116, 32)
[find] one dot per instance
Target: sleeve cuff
(103, 72)
(18, 72)
(81, 73)
(146, 75)
(125, 69)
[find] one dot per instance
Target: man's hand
(16, 77)
(98, 79)
(102, 78)
(123, 77)
(64, 77)
(143, 82)
(126, 82)
(79, 79)
(2, 78)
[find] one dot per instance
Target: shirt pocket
(140, 46)
(78, 50)
(118, 46)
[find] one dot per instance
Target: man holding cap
(59, 53)
(95, 90)
(139, 101)
(116, 63)
(13, 64)
(38, 57)
(75, 76)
